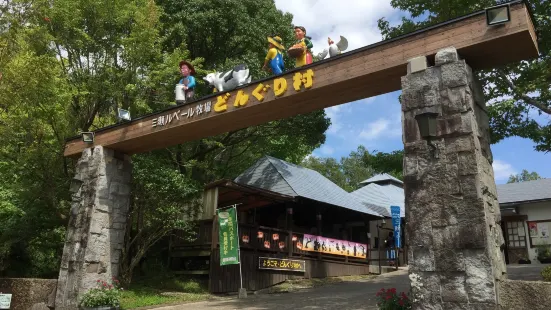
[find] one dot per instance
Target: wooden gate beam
(369, 71)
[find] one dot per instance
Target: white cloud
(334, 113)
(327, 150)
(381, 128)
(354, 19)
(502, 170)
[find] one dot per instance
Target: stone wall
(29, 292)
(95, 235)
(452, 212)
(521, 295)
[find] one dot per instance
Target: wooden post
(318, 224)
(290, 230)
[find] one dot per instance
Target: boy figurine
(188, 79)
(303, 40)
(274, 57)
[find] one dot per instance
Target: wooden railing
(270, 240)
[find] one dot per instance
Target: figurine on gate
(274, 58)
(185, 89)
(301, 51)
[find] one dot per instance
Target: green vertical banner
(229, 239)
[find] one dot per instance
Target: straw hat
(277, 42)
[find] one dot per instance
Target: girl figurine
(274, 57)
(301, 51)
(187, 71)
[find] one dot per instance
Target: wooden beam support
(358, 74)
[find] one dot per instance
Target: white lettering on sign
(5, 301)
(163, 120)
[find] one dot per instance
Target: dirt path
(346, 295)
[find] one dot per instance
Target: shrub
(546, 273)
(390, 300)
(103, 295)
(544, 252)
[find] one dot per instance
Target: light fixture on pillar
(427, 128)
(123, 115)
(498, 15)
(87, 137)
(427, 124)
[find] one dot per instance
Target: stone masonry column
(95, 235)
(452, 211)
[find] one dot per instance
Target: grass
(162, 290)
(296, 285)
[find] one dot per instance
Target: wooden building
(285, 212)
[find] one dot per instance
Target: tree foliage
(519, 92)
(524, 176)
(66, 66)
(380, 162)
(357, 167)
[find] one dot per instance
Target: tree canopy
(356, 167)
(524, 176)
(66, 66)
(518, 94)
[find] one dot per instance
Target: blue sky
(375, 122)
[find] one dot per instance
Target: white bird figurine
(334, 49)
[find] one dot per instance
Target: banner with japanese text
(229, 240)
(396, 220)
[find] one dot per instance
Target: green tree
(524, 176)
(33, 125)
(358, 166)
(66, 66)
(516, 91)
(380, 162)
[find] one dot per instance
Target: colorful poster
(533, 229)
(334, 246)
(229, 240)
(543, 229)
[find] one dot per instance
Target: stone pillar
(95, 235)
(452, 211)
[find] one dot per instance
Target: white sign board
(5, 301)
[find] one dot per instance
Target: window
(516, 235)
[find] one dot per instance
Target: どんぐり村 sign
(237, 99)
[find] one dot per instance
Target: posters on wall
(539, 232)
(334, 246)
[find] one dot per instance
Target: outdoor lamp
(427, 124)
(123, 115)
(498, 15)
(87, 137)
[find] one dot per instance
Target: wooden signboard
(362, 73)
(281, 264)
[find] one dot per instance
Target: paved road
(525, 272)
(344, 295)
